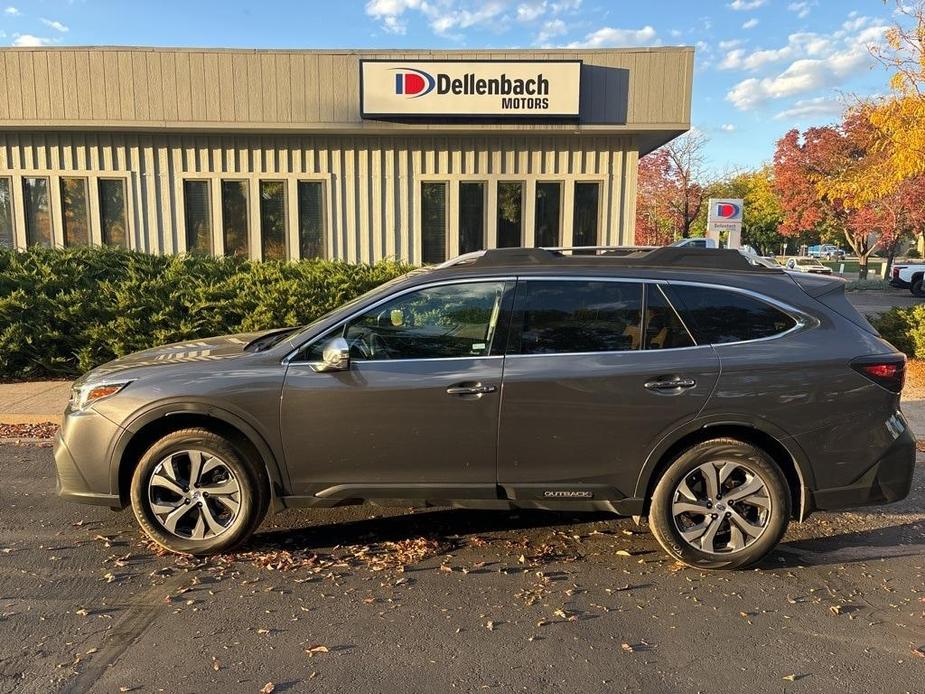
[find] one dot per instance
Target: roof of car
(582, 259)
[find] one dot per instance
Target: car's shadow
(446, 524)
(454, 526)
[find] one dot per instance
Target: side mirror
(334, 357)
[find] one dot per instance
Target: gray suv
(717, 399)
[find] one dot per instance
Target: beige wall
(623, 90)
(372, 183)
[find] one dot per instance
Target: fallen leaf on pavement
(268, 688)
(318, 648)
(794, 677)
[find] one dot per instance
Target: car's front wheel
(195, 492)
(722, 504)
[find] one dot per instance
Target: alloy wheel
(194, 495)
(721, 507)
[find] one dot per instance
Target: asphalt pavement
(385, 600)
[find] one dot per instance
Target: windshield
(357, 300)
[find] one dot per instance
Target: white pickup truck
(909, 277)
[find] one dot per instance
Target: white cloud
(731, 43)
(28, 40)
(801, 9)
(820, 106)
(445, 20)
(531, 11)
(12, 11)
(550, 29)
(609, 37)
(750, 24)
(57, 26)
(390, 12)
(727, 127)
(802, 76)
(742, 5)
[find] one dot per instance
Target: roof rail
(625, 256)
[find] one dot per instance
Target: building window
(311, 219)
(433, 222)
(112, 212)
(273, 220)
(471, 216)
(235, 226)
(585, 219)
(548, 217)
(510, 214)
(197, 210)
(6, 214)
(37, 211)
(75, 211)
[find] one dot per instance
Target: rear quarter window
(718, 316)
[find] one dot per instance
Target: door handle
(671, 384)
(474, 389)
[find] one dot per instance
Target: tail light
(888, 372)
(896, 269)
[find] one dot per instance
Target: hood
(199, 350)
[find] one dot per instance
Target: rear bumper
(899, 284)
(888, 480)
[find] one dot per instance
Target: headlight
(85, 395)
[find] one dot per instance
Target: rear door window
(664, 329)
(561, 317)
(718, 316)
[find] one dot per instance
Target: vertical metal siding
(372, 183)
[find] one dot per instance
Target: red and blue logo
(727, 210)
(413, 83)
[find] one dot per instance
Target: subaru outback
(715, 399)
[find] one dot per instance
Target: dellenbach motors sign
(472, 88)
(725, 214)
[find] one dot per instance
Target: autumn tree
(655, 223)
(671, 189)
(805, 168)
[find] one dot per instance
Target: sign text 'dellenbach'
(472, 88)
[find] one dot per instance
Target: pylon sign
(725, 214)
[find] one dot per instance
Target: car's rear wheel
(917, 288)
(196, 492)
(722, 504)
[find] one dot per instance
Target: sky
(761, 66)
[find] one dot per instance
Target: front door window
(445, 322)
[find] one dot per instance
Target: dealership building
(357, 155)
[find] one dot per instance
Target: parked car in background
(909, 276)
(827, 251)
(648, 385)
(694, 243)
(810, 265)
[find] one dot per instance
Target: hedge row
(904, 327)
(63, 312)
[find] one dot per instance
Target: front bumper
(888, 480)
(81, 453)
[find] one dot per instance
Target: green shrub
(63, 312)
(904, 327)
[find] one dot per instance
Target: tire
(225, 503)
(917, 288)
(740, 533)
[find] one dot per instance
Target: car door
(596, 372)
(416, 412)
